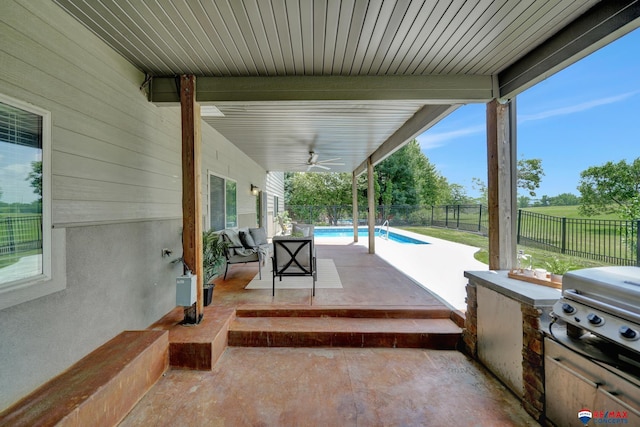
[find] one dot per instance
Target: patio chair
(293, 256)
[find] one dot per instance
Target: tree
(544, 201)
(564, 199)
(35, 176)
(524, 201)
(530, 174)
(612, 187)
(457, 195)
(331, 191)
(408, 178)
(480, 186)
(404, 178)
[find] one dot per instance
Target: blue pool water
(363, 231)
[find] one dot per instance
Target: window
(24, 193)
(276, 206)
(222, 203)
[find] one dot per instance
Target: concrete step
(101, 388)
(369, 312)
(442, 334)
(196, 347)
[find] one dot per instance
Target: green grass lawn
(16, 229)
(539, 257)
(602, 235)
(567, 212)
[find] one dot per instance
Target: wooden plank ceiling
(311, 38)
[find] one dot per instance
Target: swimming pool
(364, 231)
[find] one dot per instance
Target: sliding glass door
(222, 203)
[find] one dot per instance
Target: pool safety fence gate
(611, 241)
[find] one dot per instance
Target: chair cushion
(305, 229)
(247, 240)
(259, 236)
(236, 246)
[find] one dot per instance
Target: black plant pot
(208, 294)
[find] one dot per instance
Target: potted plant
(557, 268)
(213, 260)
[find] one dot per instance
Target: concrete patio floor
(326, 386)
(331, 387)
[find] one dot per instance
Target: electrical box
(186, 291)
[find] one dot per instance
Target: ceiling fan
(313, 162)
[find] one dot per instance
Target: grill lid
(613, 284)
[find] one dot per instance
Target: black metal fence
(462, 217)
(611, 241)
(20, 234)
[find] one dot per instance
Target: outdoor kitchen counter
(504, 326)
(519, 290)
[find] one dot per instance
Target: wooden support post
(371, 199)
(191, 198)
(354, 201)
(501, 184)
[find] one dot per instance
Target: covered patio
(389, 344)
(161, 119)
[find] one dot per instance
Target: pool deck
(438, 266)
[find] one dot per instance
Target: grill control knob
(568, 308)
(594, 319)
(628, 333)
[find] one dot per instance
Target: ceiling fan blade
(329, 160)
(330, 164)
(322, 166)
(313, 157)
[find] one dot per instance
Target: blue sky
(582, 116)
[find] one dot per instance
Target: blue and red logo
(603, 417)
(585, 416)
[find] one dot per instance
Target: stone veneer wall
(470, 331)
(532, 351)
(532, 362)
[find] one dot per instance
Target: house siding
(224, 159)
(274, 187)
(116, 193)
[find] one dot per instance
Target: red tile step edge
(383, 311)
(442, 334)
(196, 347)
(101, 388)
(375, 312)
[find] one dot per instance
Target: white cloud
(16, 187)
(429, 140)
(575, 108)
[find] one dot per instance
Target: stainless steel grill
(604, 301)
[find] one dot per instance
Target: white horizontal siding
(222, 158)
(89, 189)
(115, 156)
(275, 184)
